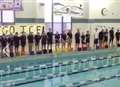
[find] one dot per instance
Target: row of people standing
(45, 39)
(15, 42)
(106, 38)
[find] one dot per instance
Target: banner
(18, 5)
(6, 4)
(21, 28)
(69, 7)
(11, 5)
(8, 17)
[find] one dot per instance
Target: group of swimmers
(106, 38)
(46, 40)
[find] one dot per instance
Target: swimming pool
(87, 69)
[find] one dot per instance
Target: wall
(31, 9)
(109, 8)
(92, 10)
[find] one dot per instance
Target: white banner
(6, 1)
(11, 5)
(6, 5)
(18, 5)
(69, 7)
(8, 16)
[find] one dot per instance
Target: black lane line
(62, 75)
(59, 64)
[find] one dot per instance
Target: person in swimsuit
(43, 40)
(83, 39)
(96, 36)
(16, 43)
(117, 35)
(106, 38)
(30, 38)
(77, 39)
(23, 43)
(69, 39)
(111, 35)
(37, 42)
(11, 43)
(57, 40)
(49, 39)
(101, 38)
(88, 39)
(63, 39)
(3, 43)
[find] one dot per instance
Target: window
(57, 26)
(67, 22)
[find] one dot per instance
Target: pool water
(76, 72)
